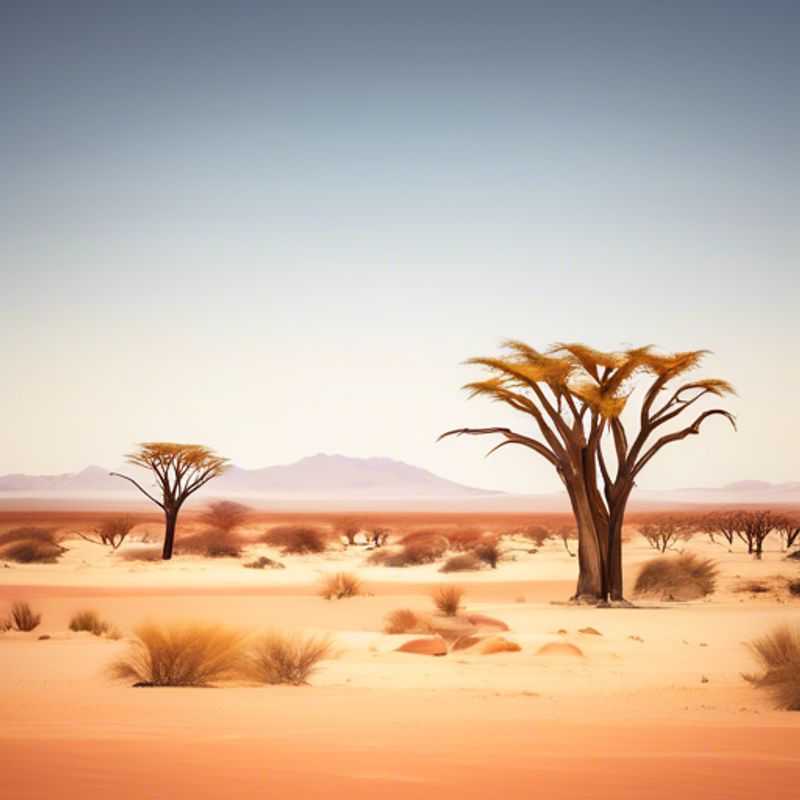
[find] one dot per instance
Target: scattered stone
(560, 649)
(497, 644)
(44, 636)
(481, 621)
(703, 679)
(433, 646)
(636, 638)
(703, 644)
(466, 642)
(590, 631)
(562, 631)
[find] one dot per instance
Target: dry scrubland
(391, 655)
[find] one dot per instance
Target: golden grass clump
(89, 620)
(297, 539)
(340, 585)
(465, 562)
(289, 658)
(448, 599)
(23, 618)
(181, 655)
(778, 653)
(404, 620)
(683, 577)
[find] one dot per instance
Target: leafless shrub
(112, 532)
(297, 539)
(664, 531)
(225, 515)
(181, 655)
(465, 562)
(778, 654)
(464, 539)
(349, 529)
(286, 658)
(89, 620)
(377, 535)
(683, 577)
(31, 551)
(340, 585)
(489, 552)
(447, 599)
(537, 534)
(23, 618)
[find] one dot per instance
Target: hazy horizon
(280, 230)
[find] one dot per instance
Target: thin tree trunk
(171, 519)
(591, 569)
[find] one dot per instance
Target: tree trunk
(614, 580)
(171, 519)
(591, 569)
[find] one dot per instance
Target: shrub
(90, 621)
(225, 515)
(31, 551)
(181, 655)
(464, 540)
(262, 561)
(297, 539)
(489, 552)
(751, 587)
(217, 543)
(113, 532)
(29, 534)
(404, 620)
(141, 554)
(463, 563)
(286, 658)
(448, 599)
(683, 577)
(778, 653)
(23, 618)
(417, 550)
(536, 534)
(340, 585)
(794, 587)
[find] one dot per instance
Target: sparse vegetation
(23, 618)
(418, 548)
(31, 551)
(778, 654)
(404, 620)
(152, 553)
(297, 539)
(29, 533)
(340, 585)
(262, 562)
(683, 577)
(289, 658)
(112, 532)
(89, 620)
(213, 543)
(225, 515)
(181, 655)
(465, 562)
(664, 531)
(447, 599)
(489, 552)
(794, 587)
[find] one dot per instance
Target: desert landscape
(518, 689)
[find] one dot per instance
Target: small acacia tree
(225, 515)
(575, 396)
(664, 531)
(179, 471)
(112, 532)
(754, 528)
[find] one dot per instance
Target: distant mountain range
(316, 476)
(340, 478)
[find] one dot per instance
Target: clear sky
(278, 228)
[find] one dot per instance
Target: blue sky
(278, 228)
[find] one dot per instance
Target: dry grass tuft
(751, 587)
(262, 562)
(23, 618)
(778, 653)
(448, 599)
(152, 553)
(181, 655)
(683, 577)
(297, 539)
(89, 620)
(289, 658)
(31, 551)
(404, 620)
(340, 585)
(466, 562)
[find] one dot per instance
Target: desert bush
(29, 534)
(536, 534)
(263, 562)
(141, 554)
(465, 562)
(448, 599)
(683, 577)
(181, 655)
(113, 532)
(404, 620)
(751, 587)
(410, 555)
(340, 585)
(286, 658)
(215, 543)
(31, 551)
(349, 529)
(89, 620)
(794, 587)
(778, 654)
(377, 535)
(225, 515)
(489, 552)
(297, 539)
(23, 618)
(464, 539)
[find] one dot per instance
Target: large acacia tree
(575, 396)
(179, 471)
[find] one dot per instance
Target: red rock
(433, 646)
(560, 649)
(590, 631)
(481, 621)
(497, 644)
